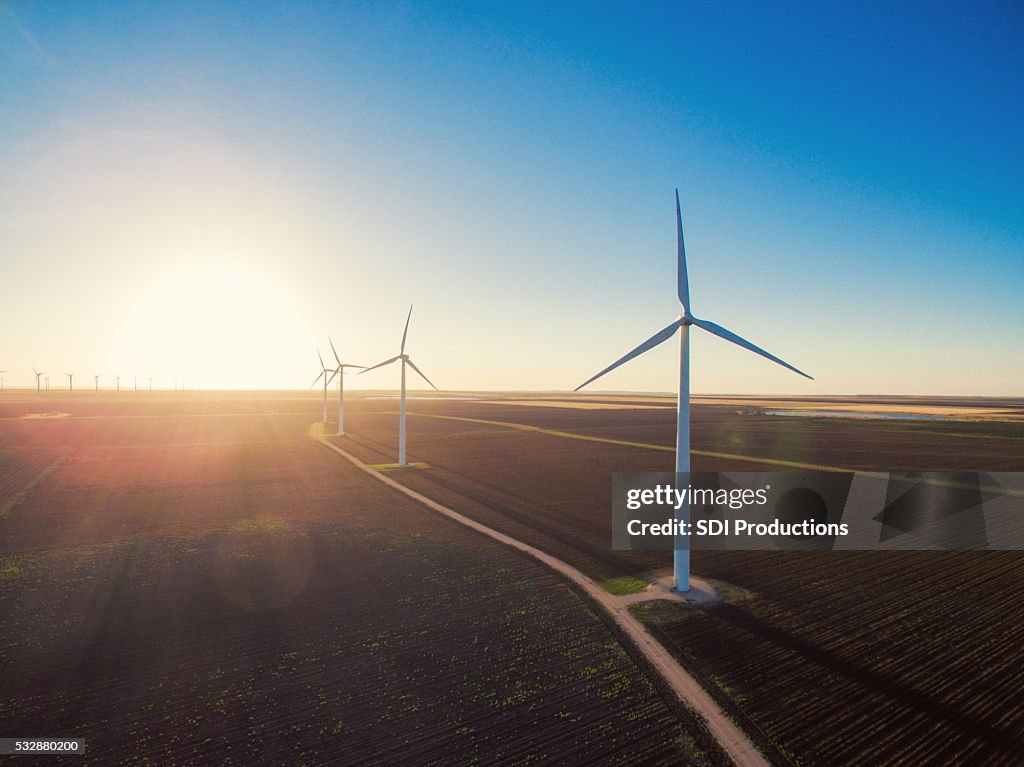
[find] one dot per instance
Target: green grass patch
(660, 612)
(730, 693)
(625, 585)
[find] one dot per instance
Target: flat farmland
(197, 581)
(866, 658)
(543, 472)
(840, 658)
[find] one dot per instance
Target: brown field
(180, 534)
(555, 491)
(839, 658)
(193, 580)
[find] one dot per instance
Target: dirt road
(733, 740)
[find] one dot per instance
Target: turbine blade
(315, 380)
(684, 281)
(406, 331)
(336, 359)
(321, 360)
(333, 373)
(350, 365)
(660, 337)
(413, 366)
(380, 365)
(721, 332)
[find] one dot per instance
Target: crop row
(872, 657)
(20, 469)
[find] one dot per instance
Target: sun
(217, 326)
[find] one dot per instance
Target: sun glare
(216, 327)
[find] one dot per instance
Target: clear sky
(207, 192)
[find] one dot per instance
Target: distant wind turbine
(324, 370)
(71, 381)
(681, 558)
(340, 370)
(96, 381)
(118, 379)
(2, 379)
(405, 361)
(39, 374)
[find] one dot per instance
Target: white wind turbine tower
(681, 553)
(96, 382)
(405, 361)
(324, 370)
(39, 374)
(118, 379)
(2, 379)
(340, 370)
(71, 381)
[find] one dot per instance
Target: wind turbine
(39, 374)
(340, 370)
(681, 553)
(118, 379)
(71, 381)
(96, 382)
(324, 370)
(405, 361)
(2, 379)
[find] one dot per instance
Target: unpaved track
(733, 740)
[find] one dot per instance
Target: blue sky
(205, 193)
